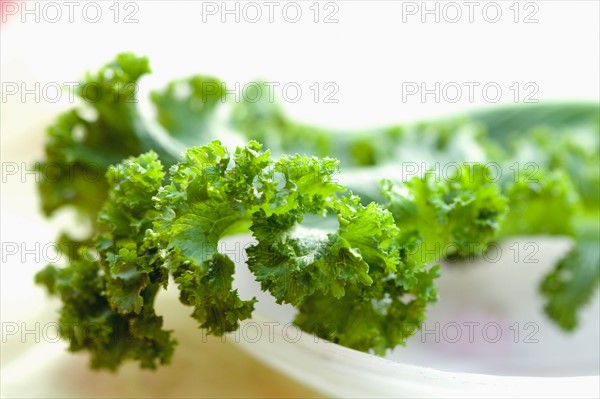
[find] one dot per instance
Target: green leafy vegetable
(465, 210)
(160, 195)
(573, 282)
(108, 300)
(548, 156)
(187, 107)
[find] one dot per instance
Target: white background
(369, 53)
